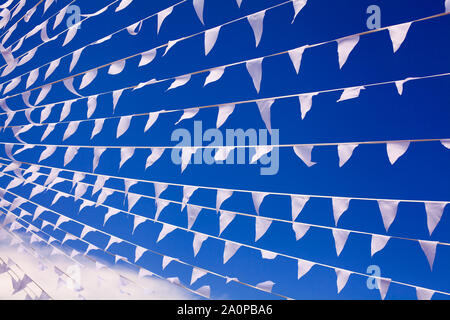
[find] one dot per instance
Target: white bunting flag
(117, 67)
(198, 242)
(32, 78)
(70, 154)
(422, 293)
(266, 286)
(306, 103)
(97, 127)
(170, 44)
(345, 47)
(37, 190)
(186, 155)
(162, 15)
(268, 255)
(116, 96)
(123, 4)
(304, 267)
(188, 191)
(298, 6)
(260, 151)
(30, 54)
(378, 243)
(156, 153)
(434, 212)
(112, 240)
(383, 286)
(88, 78)
(254, 68)
(12, 85)
(239, 2)
(44, 92)
(166, 260)
(123, 126)
(72, 127)
(60, 16)
(214, 75)
(258, 198)
(197, 274)
(147, 57)
(211, 36)
(179, 81)
(52, 67)
(132, 200)
(398, 34)
(296, 57)
(230, 250)
(429, 248)
(340, 205)
(264, 109)
(159, 189)
(66, 109)
(225, 219)
(71, 33)
(139, 253)
(49, 150)
(125, 155)
(388, 211)
(166, 229)
(198, 6)
(256, 22)
(97, 154)
(111, 212)
(192, 214)
(68, 83)
(340, 238)
(224, 112)
(160, 205)
(222, 196)
(135, 28)
(400, 83)
(345, 152)
(47, 4)
(351, 93)
(45, 113)
(396, 149)
(75, 57)
(342, 278)
(304, 153)
(261, 227)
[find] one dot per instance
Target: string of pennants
(378, 242)
(395, 149)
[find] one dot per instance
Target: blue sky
(379, 114)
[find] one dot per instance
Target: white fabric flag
(154, 156)
(60, 16)
(179, 81)
(117, 67)
(222, 195)
(298, 6)
(188, 191)
(345, 47)
(214, 75)
(304, 153)
(198, 6)
(80, 190)
(123, 4)
(434, 214)
(447, 5)
(225, 219)
(72, 127)
(166, 229)
(298, 203)
(37, 190)
(112, 240)
(162, 15)
(47, 153)
(259, 152)
(429, 248)
(378, 243)
(133, 198)
(12, 85)
(44, 92)
(197, 274)
(97, 127)
(99, 184)
(300, 230)
(254, 68)
(340, 238)
(211, 36)
(398, 34)
(32, 78)
(306, 103)
(70, 154)
(30, 54)
(400, 83)
(186, 155)
(139, 253)
(71, 33)
(265, 286)
(224, 112)
(304, 267)
(47, 4)
(97, 154)
(123, 126)
(125, 155)
(256, 22)
(192, 214)
(261, 227)
(264, 109)
(88, 78)
(47, 131)
(66, 109)
(166, 260)
(239, 2)
(85, 231)
(296, 57)
(422, 293)
(198, 242)
(111, 212)
(52, 67)
(135, 28)
(230, 250)
(75, 57)
(147, 57)
(339, 207)
(68, 83)
(351, 93)
(159, 189)
(345, 152)
(342, 278)
(152, 117)
(45, 113)
(383, 286)
(160, 205)
(116, 96)
(170, 44)
(258, 198)
(396, 149)
(268, 255)
(388, 211)
(223, 153)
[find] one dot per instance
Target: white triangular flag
(306, 103)
(434, 214)
(135, 28)
(188, 191)
(298, 6)
(296, 57)
(340, 205)
(117, 67)
(378, 243)
(75, 57)
(225, 219)
(147, 57)
(398, 34)
(179, 81)
(351, 93)
(198, 242)
(139, 253)
(254, 68)
(192, 214)
(422, 293)
(304, 267)
(222, 195)
(214, 75)
(268, 255)
(197, 274)
(429, 248)
(211, 38)
(166, 229)
(259, 152)
(72, 31)
(12, 85)
(229, 250)
(162, 15)
(47, 131)
(72, 127)
(300, 230)
(53, 65)
(264, 109)
(97, 127)
(258, 198)
(133, 198)
(111, 212)
(340, 238)
(304, 153)
(97, 154)
(388, 211)
(123, 126)
(32, 78)
(68, 83)
(116, 96)
(396, 149)
(112, 240)
(345, 152)
(345, 47)
(60, 16)
(70, 154)
(154, 156)
(49, 150)
(261, 227)
(160, 205)
(342, 278)
(198, 6)
(224, 112)
(88, 78)
(383, 286)
(298, 203)
(125, 155)
(256, 22)
(399, 84)
(266, 286)
(123, 4)
(166, 260)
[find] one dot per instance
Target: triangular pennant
(258, 198)
(345, 152)
(396, 149)
(340, 205)
(434, 214)
(398, 34)
(378, 243)
(345, 47)
(304, 267)
(254, 68)
(429, 248)
(340, 238)
(342, 278)
(256, 22)
(224, 112)
(304, 153)
(261, 227)
(211, 38)
(225, 219)
(198, 242)
(166, 229)
(230, 250)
